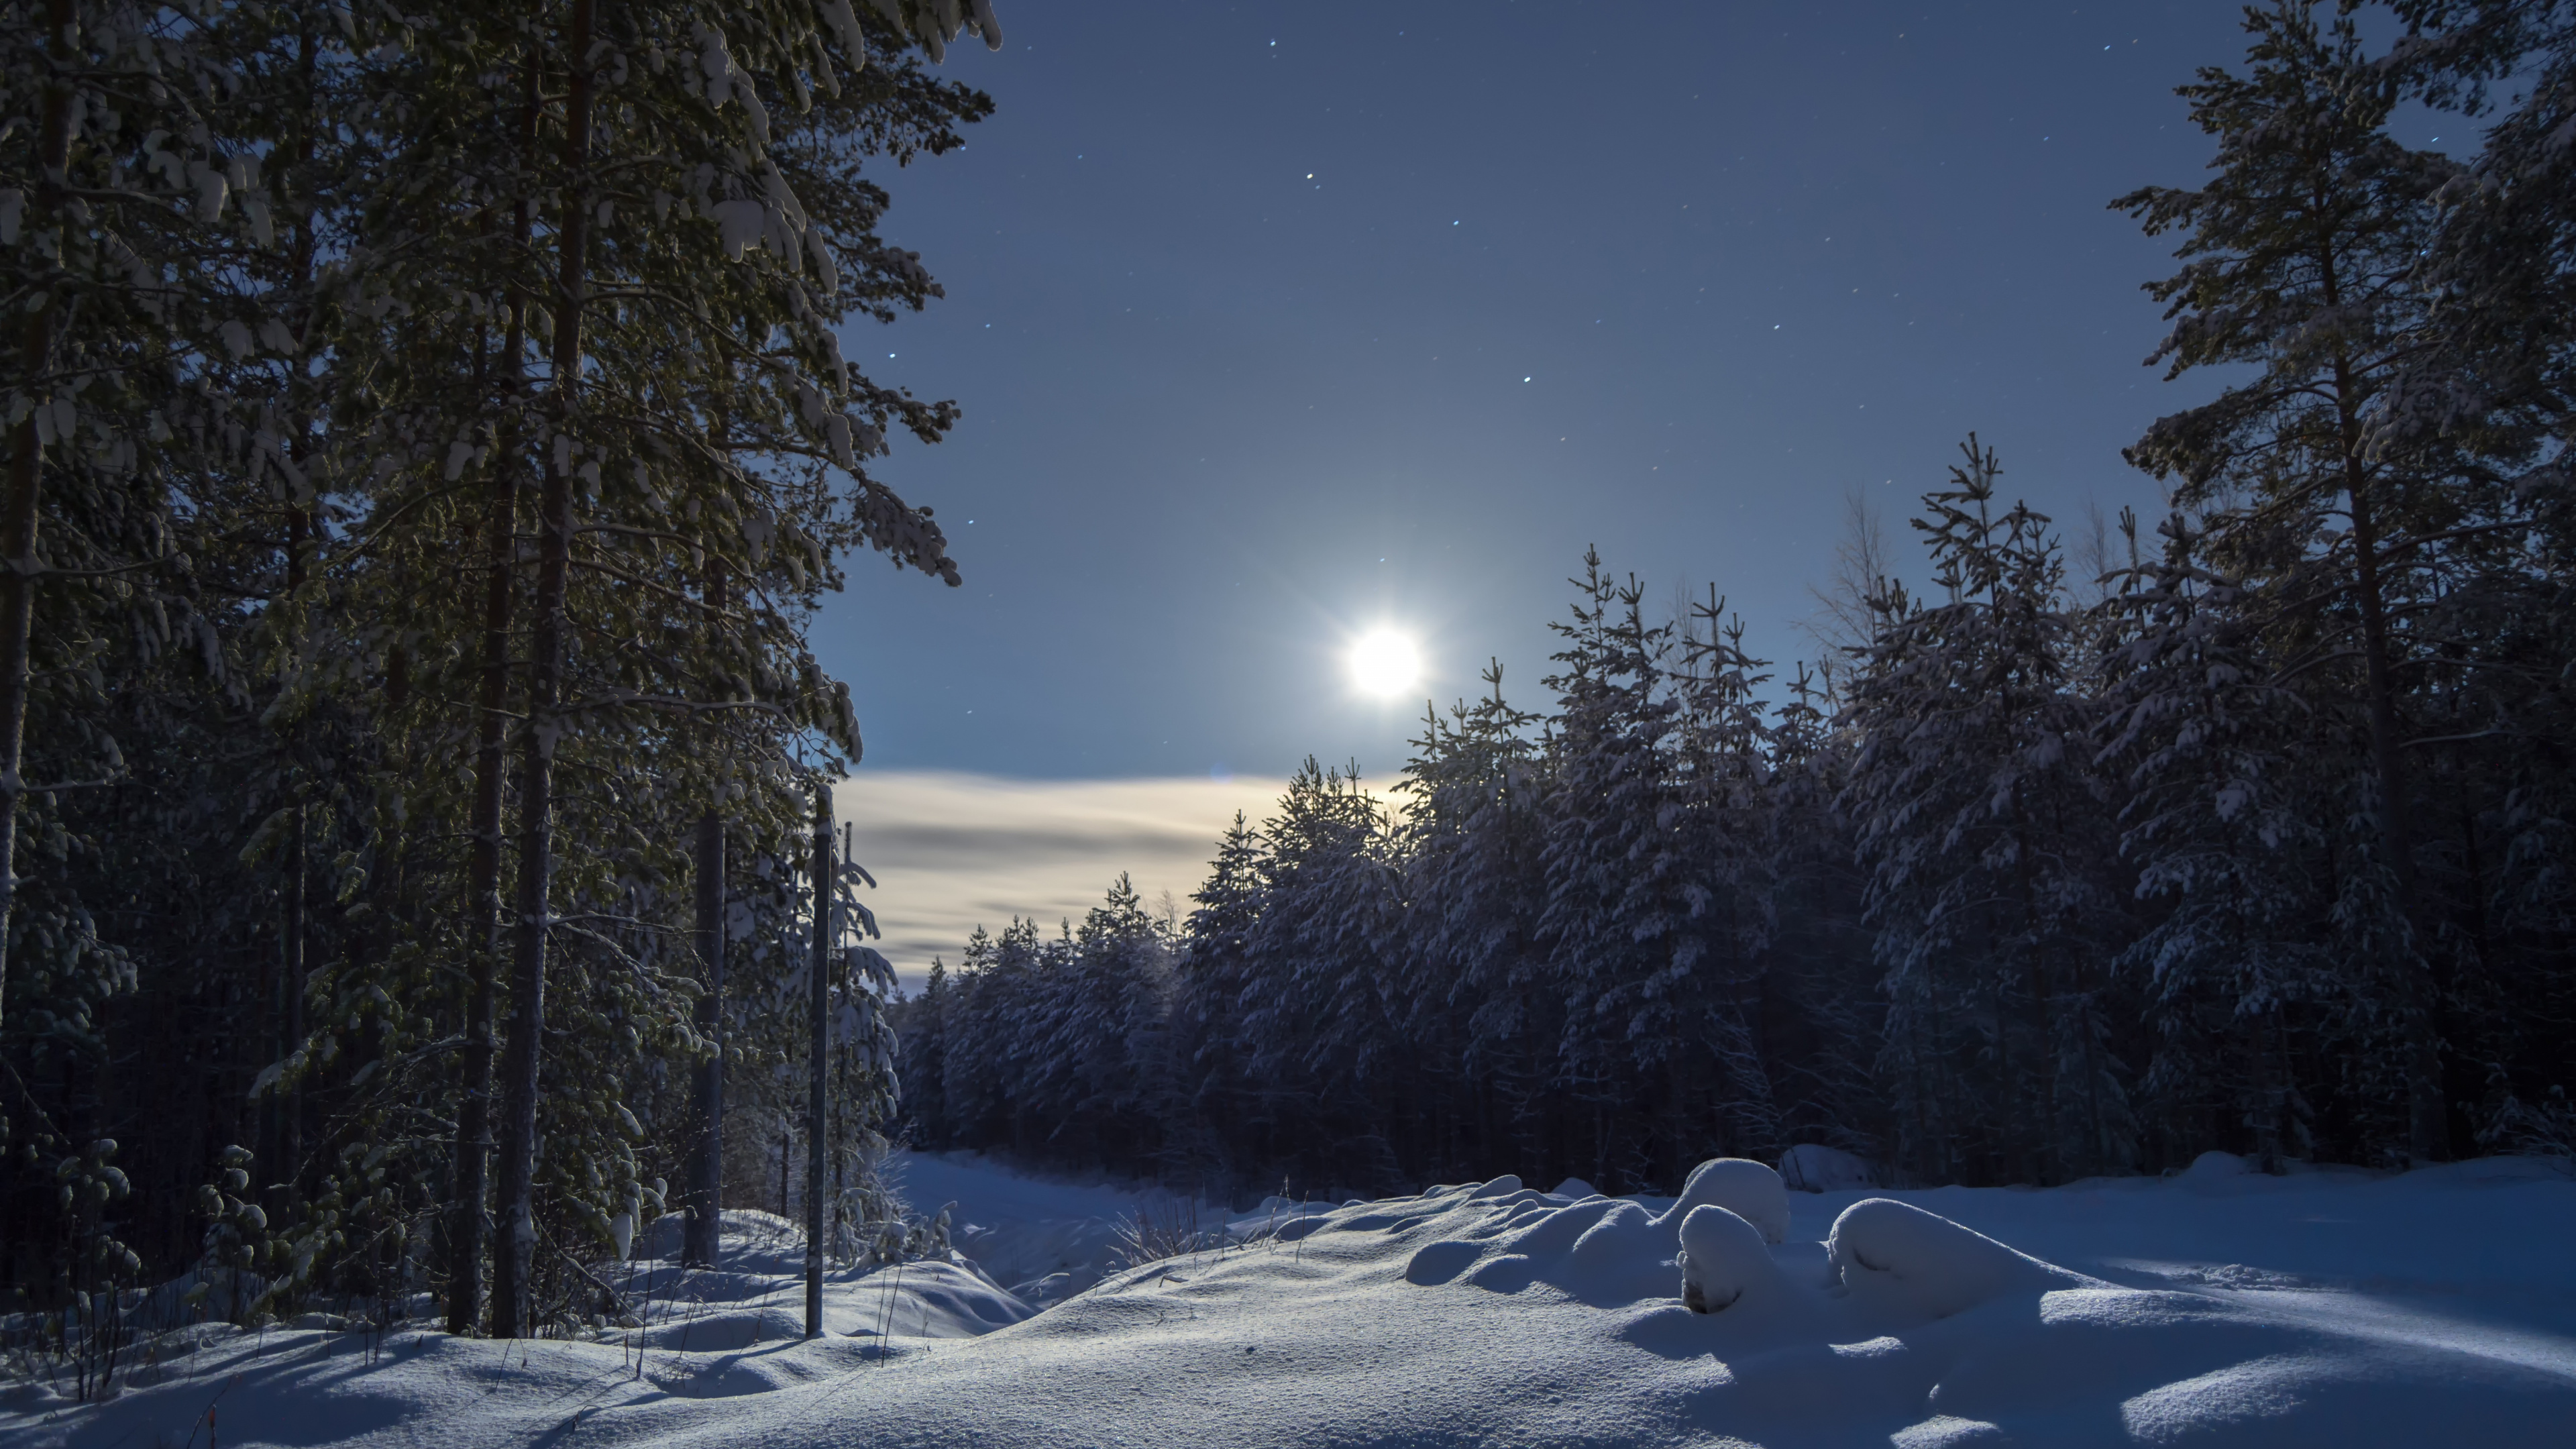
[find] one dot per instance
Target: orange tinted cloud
(951, 851)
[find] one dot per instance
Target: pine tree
(2301, 260)
(304, 394)
(114, 116)
(2491, 389)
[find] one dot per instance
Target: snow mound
(1885, 1266)
(1814, 1167)
(1743, 1187)
(2216, 1167)
(928, 1299)
(1903, 1326)
(1906, 1263)
(1727, 1265)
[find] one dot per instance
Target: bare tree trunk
(2428, 1132)
(300, 542)
(706, 1157)
(470, 1232)
(522, 1058)
(2267, 1099)
(1678, 1150)
(2428, 1128)
(26, 473)
(2013, 1149)
(701, 1242)
(818, 1124)
(290, 1107)
(2042, 1008)
(511, 1303)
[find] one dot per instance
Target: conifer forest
(430, 443)
(2243, 827)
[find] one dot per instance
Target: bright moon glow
(1385, 664)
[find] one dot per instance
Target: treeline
(2255, 836)
(428, 441)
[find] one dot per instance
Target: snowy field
(2326, 1308)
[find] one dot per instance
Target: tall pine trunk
(2428, 1131)
(817, 1106)
(290, 1107)
(702, 1233)
(300, 543)
(469, 1234)
(18, 513)
(2266, 1097)
(511, 1303)
(1680, 1155)
(706, 1154)
(2043, 1019)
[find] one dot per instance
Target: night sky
(1273, 323)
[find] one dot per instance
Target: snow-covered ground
(1044, 1240)
(2218, 1307)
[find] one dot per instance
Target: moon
(1385, 663)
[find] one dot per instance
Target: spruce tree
(2220, 823)
(1209, 987)
(1724, 749)
(1977, 816)
(1319, 1013)
(1619, 926)
(1474, 837)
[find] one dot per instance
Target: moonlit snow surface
(2217, 1307)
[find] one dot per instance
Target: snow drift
(1745, 1188)
(2434, 1307)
